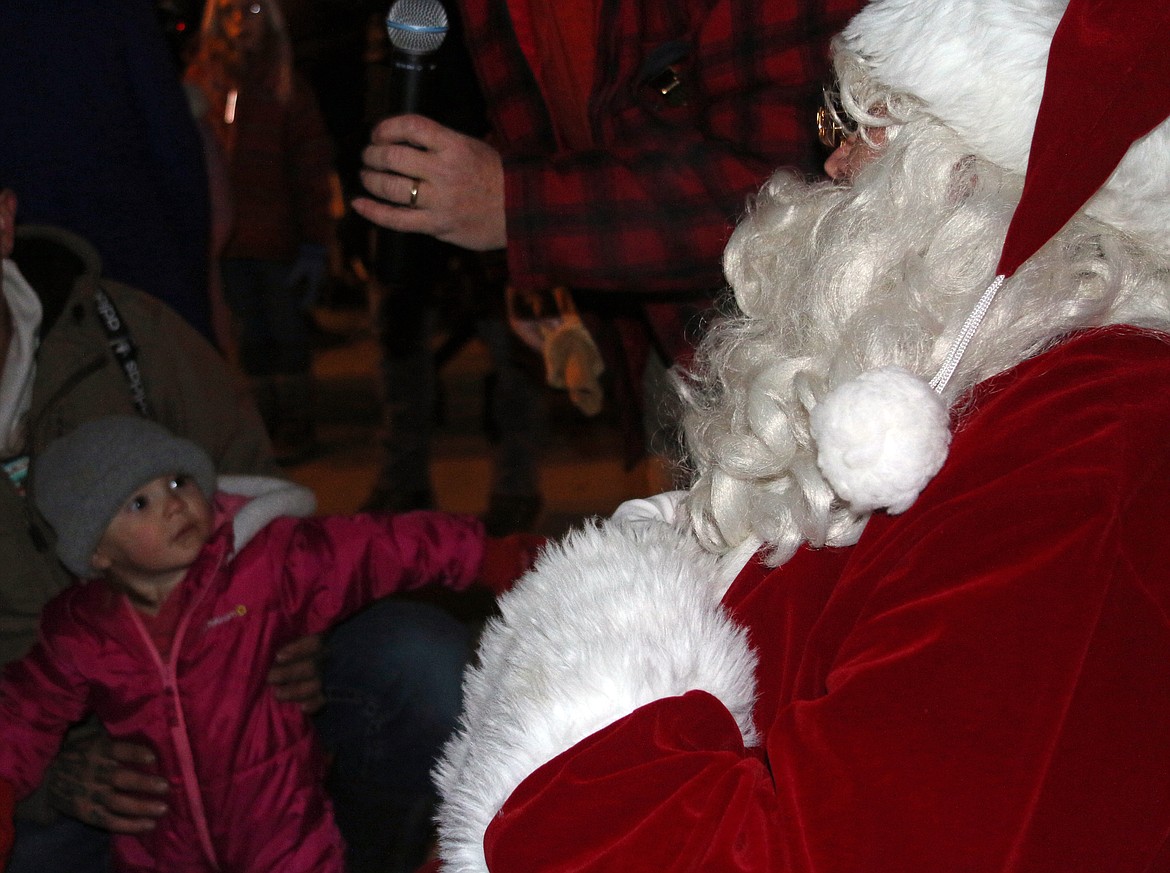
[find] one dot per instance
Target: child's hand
(506, 559)
(7, 804)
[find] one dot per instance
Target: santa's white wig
(831, 281)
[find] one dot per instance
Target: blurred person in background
(280, 172)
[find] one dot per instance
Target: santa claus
(914, 612)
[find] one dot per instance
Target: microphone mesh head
(416, 27)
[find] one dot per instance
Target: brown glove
(549, 323)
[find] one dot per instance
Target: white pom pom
(881, 437)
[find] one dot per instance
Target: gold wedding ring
(414, 193)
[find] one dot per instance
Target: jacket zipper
(177, 723)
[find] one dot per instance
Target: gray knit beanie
(82, 479)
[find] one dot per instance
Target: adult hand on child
(101, 782)
(295, 675)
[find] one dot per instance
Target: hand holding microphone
(429, 178)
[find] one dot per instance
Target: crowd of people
(900, 604)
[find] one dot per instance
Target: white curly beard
(832, 281)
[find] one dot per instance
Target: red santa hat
(1075, 94)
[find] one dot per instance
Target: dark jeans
(65, 846)
(417, 290)
(392, 682)
(393, 679)
(516, 410)
(274, 327)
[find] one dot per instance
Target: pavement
(581, 472)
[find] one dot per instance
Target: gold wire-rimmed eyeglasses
(833, 125)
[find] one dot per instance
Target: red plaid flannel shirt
(653, 206)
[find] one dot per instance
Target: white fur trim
(271, 498)
(881, 437)
(664, 507)
(611, 619)
(979, 65)
(669, 508)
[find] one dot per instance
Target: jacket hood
(54, 261)
(266, 499)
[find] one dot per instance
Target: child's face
(244, 23)
(157, 534)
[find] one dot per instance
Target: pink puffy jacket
(245, 770)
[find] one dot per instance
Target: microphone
(416, 29)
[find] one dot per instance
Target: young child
(197, 588)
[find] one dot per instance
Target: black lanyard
(124, 350)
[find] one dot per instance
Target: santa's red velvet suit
(979, 684)
(980, 680)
